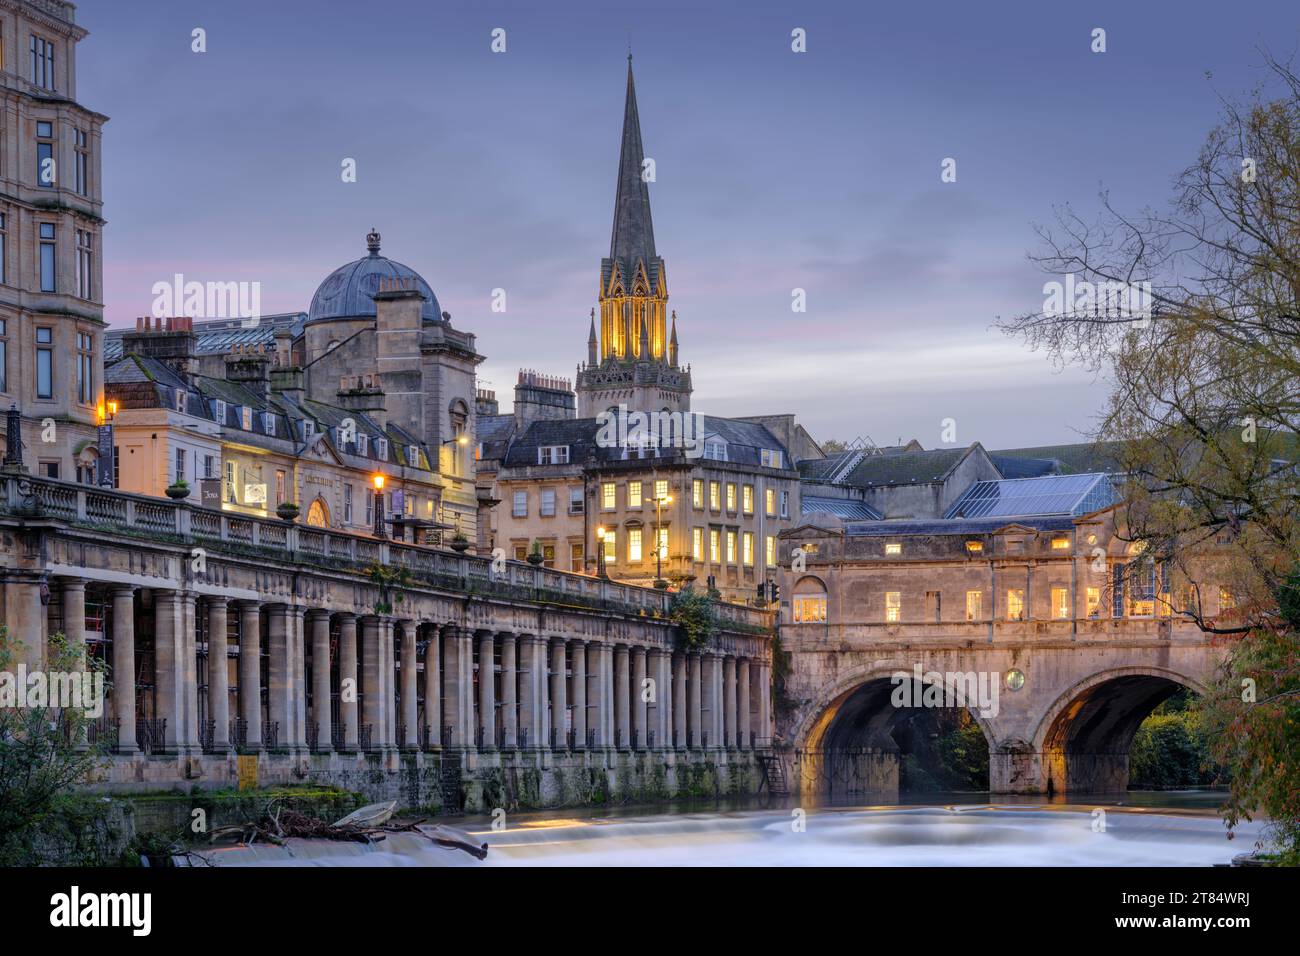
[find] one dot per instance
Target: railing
(313, 735)
(592, 738)
(131, 514)
(151, 735)
(363, 737)
(270, 734)
(523, 738)
(238, 733)
(207, 733)
(650, 740)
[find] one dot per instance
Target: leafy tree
(43, 753)
(1204, 406)
(693, 613)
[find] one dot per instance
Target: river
(1134, 829)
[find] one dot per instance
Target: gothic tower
(634, 360)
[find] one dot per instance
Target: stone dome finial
(372, 242)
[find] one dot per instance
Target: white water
(976, 835)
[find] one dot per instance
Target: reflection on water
(1133, 829)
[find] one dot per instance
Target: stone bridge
(265, 650)
(1069, 696)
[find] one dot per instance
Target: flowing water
(1137, 829)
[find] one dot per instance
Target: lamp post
(660, 501)
(378, 482)
(600, 551)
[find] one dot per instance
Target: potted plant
(535, 556)
(178, 489)
(459, 543)
(287, 510)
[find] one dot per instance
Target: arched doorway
(890, 734)
(318, 513)
(1087, 735)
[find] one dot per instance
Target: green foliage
(693, 614)
(1170, 750)
(40, 755)
(390, 581)
(1258, 738)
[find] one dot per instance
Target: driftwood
(282, 823)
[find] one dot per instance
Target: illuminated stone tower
(633, 360)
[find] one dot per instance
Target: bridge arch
(1085, 734)
(845, 739)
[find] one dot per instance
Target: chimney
(541, 397)
(168, 340)
(485, 402)
(251, 367)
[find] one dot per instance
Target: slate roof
(213, 336)
(1078, 458)
(911, 468)
(955, 526)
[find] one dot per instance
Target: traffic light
(776, 592)
(761, 591)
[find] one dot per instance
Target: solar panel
(1047, 495)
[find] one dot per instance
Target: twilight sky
(775, 170)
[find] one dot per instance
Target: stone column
(167, 668)
(528, 715)
(680, 701)
(124, 666)
(28, 619)
(298, 670)
(219, 672)
(712, 705)
(597, 701)
(280, 636)
(348, 687)
(639, 702)
(465, 655)
(250, 673)
(487, 691)
(452, 730)
(388, 683)
(764, 690)
(190, 672)
(509, 682)
(559, 697)
(695, 688)
(660, 708)
(579, 658)
(372, 702)
(742, 704)
(433, 689)
(607, 690)
(319, 623)
(410, 702)
(729, 702)
(622, 703)
(72, 598)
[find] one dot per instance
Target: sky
(774, 170)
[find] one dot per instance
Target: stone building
(51, 224)
(306, 408)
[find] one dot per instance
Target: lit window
(1060, 602)
(634, 494)
(747, 499)
(770, 551)
(662, 544)
(611, 546)
(1092, 600)
(893, 548)
(715, 546)
(893, 606)
(809, 608)
(715, 496)
(975, 547)
(634, 544)
(697, 544)
(974, 605)
(769, 502)
(731, 496)
(697, 493)
(1227, 602)
(747, 545)
(731, 547)
(661, 489)
(608, 495)
(1016, 604)
(1060, 544)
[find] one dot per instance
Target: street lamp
(660, 501)
(600, 551)
(378, 482)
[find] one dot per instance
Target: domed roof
(348, 291)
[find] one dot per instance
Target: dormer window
(771, 458)
(717, 450)
(363, 444)
(219, 411)
(308, 429)
(413, 455)
(553, 455)
(180, 400)
(381, 449)
(268, 422)
(246, 417)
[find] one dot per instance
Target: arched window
(458, 417)
(808, 603)
(318, 515)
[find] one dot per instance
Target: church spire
(593, 344)
(632, 237)
(672, 343)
